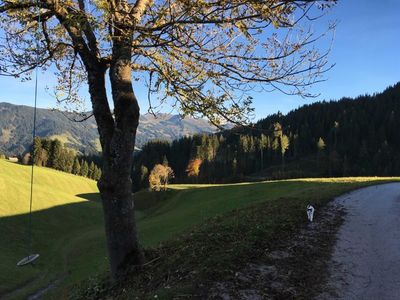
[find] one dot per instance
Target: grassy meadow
(62, 222)
(68, 222)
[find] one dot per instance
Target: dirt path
(366, 258)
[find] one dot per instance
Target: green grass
(68, 223)
(225, 227)
(193, 204)
(61, 222)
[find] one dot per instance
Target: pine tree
(165, 161)
(234, 167)
(26, 159)
(62, 160)
(84, 169)
(44, 157)
(55, 155)
(215, 146)
(321, 147)
(144, 176)
(91, 171)
(37, 151)
(68, 157)
(46, 145)
(284, 147)
(97, 173)
(276, 143)
(76, 168)
(321, 144)
(335, 131)
(262, 145)
(280, 142)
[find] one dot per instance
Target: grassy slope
(60, 221)
(189, 205)
(68, 230)
(229, 225)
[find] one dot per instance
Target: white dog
(310, 212)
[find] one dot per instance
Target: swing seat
(28, 260)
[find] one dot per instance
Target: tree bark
(117, 137)
(116, 185)
(115, 188)
(123, 246)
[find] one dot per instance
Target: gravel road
(366, 259)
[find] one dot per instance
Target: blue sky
(366, 53)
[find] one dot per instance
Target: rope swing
(33, 257)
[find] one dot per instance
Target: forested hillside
(349, 137)
(16, 129)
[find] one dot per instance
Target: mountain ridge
(16, 129)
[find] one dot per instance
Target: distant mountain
(16, 129)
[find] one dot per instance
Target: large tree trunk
(117, 137)
(123, 246)
(115, 188)
(116, 185)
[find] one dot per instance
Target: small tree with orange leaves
(193, 168)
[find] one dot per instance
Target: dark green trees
(55, 154)
(350, 137)
(52, 154)
(280, 142)
(84, 169)
(39, 155)
(76, 168)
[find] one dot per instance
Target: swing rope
(33, 154)
(34, 129)
(31, 257)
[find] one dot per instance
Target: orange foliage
(193, 168)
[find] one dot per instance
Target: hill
(68, 231)
(62, 219)
(16, 129)
(348, 137)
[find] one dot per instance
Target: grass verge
(246, 224)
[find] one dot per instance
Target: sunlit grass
(51, 188)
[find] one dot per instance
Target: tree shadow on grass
(61, 235)
(95, 197)
(144, 199)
